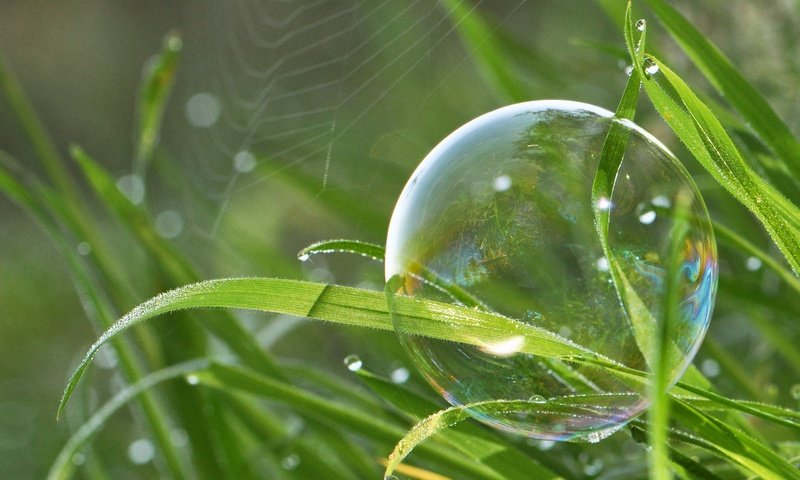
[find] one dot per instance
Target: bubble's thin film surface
(530, 250)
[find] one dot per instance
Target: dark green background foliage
(336, 103)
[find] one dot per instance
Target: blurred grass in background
(279, 133)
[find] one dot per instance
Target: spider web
(322, 87)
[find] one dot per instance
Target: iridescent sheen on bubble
(499, 216)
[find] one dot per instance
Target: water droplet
(753, 263)
(353, 363)
(602, 264)
(203, 110)
(537, 399)
(290, 462)
(661, 201)
(795, 391)
(647, 217)
(141, 451)
(641, 24)
(169, 224)
(538, 251)
(400, 375)
(650, 67)
(710, 367)
(501, 183)
(192, 379)
(304, 257)
(84, 249)
(132, 186)
(629, 70)
(244, 161)
(603, 203)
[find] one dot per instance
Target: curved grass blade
(344, 305)
(365, 249)
(479, 443)
(63, 466)
(726, 78)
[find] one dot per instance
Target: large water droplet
(455, 239)
(641, 24)
(650, 67)
(353, 363)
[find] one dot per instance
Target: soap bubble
(530, 251)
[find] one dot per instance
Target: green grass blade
(369, 250)
(153, 96)
(485, 50)
(176, 267)
(731, 84)
(63, 466)
(704, 136)
(37, 135)
(231, 378)
(746, 246)
(478, 443)
(734, 445)
(343, 305)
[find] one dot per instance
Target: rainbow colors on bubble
(500, 216)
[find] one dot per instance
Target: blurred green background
(293, 122)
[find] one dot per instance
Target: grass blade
(343, 305)
(472, 440)
(153, 96)
(731, 84)
(365, 249)
(63, 466)
(699, 129)
(485, 50)
(231, 378)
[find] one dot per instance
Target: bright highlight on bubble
(500, 216)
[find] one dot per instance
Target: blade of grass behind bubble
(727, 79)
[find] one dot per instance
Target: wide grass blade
(343, 305)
